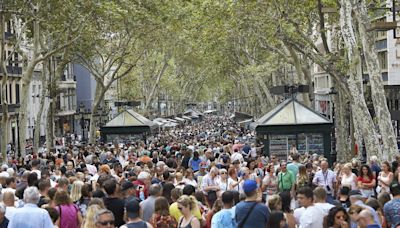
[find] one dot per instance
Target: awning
(180, 119)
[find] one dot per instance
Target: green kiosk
(127, 126)
(293, 126)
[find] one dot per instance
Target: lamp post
(82, 113)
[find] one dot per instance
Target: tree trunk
(23, 117)
(155, 86)
(342, 129)
(360, 110)
(268, 95)
(99, 96)
(382, 113)
(4, 103)
(52, 107)
(263, 104)
(36, 135)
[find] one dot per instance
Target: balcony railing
(14, 70)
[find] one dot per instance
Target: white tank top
(349, 181)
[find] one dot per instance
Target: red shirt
(141, 184)
(364, 180)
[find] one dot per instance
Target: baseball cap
(395, 188)
(132, 208)
(355, 193)
(249, 186)
(127, 185)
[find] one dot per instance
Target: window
(16, 59)
(17, 93)
(10, 101)
(382, 56)
(33, 93)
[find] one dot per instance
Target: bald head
(365, 218)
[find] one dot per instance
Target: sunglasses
(180, 208)
(223, 173)
(109, 222)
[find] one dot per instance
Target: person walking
(188, 220)
(251, 213)
(133, 209)
(32, 215)
(392, 208)
(286, 179)
(225, 218)
(312, 216)
(161, 217)
(326, 179)
(148, 205)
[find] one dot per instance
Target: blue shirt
(257, 218)
(392, 212)
(294, 168)
(225, 218)
(30, 216)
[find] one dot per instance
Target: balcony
(13, 71)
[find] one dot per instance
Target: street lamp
(82, 113)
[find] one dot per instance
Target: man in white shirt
(312, 216)
(326, 178)
(320, 200)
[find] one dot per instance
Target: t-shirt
(117, 207)
(294, 168)
(257, 218)
(325, 207)
(392, 212)
(312, 217)
(285, 180)
(225, 218)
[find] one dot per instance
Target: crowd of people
(208, 174)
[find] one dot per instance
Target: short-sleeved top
(257, 218)
(285, 180)
(272, 184)
(294, 168)
(325, 179)
(225, 218)
(364, 180)
(392, 212)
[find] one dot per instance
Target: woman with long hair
(161, 217)
(185, 205)
(337, 218)
(88, 221)
(70, 216)
(302, 179)
(269, 185)
(366, 181)
(385, 178)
